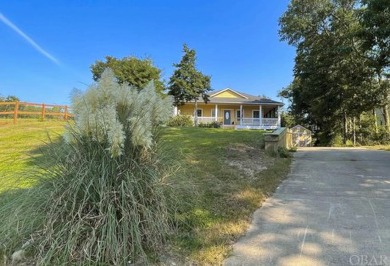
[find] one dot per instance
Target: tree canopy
(375, 35)
(333, 77)
(136, 72)
(9, 98)
(187, 83)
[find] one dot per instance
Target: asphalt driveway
(334, 209)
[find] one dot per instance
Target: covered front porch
(261, 116)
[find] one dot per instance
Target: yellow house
(235, 109)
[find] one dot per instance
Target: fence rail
(40, 110)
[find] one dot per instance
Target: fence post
(16, 112)
(66, 113)
(43, 111)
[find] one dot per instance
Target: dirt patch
(248, 160)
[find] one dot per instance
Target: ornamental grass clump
(106, 204)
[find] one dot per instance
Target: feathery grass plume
(105, 204)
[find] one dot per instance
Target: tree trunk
(376, 121)
(386, 117)
(385, 107)
(345, 131)
(354, 132)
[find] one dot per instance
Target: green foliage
(375, 17)
(136, 72)
(8, 108)
(283, 152)
(374, 35)
(333, 79)
(214, 124)
(187, 83)
(288, 120)
(181, 121)
(9, 98)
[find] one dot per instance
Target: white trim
(236, 118)
(228, 89)
(243, 103)
(253, 111)
(261, 114)
(216, 113)
(241, 114)
(215, 110)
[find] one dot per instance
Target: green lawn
(20, 149)
(223, 182)
(220, 178)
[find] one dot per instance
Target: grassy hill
(21, 149)
(219, 178)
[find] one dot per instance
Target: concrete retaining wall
(281, 137)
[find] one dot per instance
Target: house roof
(230, 96)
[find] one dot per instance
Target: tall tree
(187, 83)
(136, 72)
(375, 19)
(331, 76)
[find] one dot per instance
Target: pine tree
(187, 83)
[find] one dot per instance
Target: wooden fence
(40, 110)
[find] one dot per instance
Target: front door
(227, 118)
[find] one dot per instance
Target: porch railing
(268, 122)
(265, 122)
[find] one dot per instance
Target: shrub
(213, 124)
(181, 121)
(106, 204)
(293, 149)
(283, 152)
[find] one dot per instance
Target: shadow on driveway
(334, 209)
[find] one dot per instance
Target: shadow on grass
(21, 217)
(46, 155)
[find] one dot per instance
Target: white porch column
(279, 116)
(241, 115)
(216, 113)
(261, 115)
(175, 111)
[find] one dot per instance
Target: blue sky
(47, 47)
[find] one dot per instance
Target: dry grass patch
(379, 147)
(230, 176)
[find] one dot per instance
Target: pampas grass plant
(104, 202)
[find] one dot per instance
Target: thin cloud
(28, 39)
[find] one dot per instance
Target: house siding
(227, 94)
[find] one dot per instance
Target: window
(271, 113)
(256, 114)
(199, 112)
(213, 112)
(238, 115)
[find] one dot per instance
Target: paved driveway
(334, 209)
